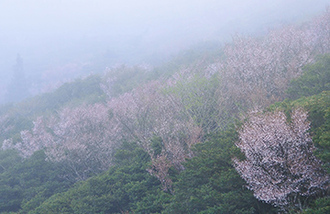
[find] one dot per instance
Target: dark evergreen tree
(18, 88)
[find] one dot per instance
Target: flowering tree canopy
(82, 138)
(280, 166)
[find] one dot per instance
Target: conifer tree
(18, 88)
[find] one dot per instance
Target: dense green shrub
(315, 79)
(126, 187)
(25, 184)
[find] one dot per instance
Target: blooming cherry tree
(256, 71)
(82, 139)
(280, 166)
(147, 112)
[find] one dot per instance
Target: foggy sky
(52, 33)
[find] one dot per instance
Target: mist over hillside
(174, 110)
(61, 40)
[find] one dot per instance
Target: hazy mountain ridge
(61, 41)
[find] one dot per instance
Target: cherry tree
(82, 139)
(321, 29)
(280, 167)
(256, 71)
(30, 142)
(85, 138)
(147, 112)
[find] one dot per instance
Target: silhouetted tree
(18, 88)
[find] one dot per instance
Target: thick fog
(57, 40)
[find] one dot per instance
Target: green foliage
(125, 78)
(10, 192)
(201, 54)
(125, 187)
(80, 91)
(315, 79)
(318, 107)
(17, 123)
(25, 184)
(210, 184)
(156, 145)
(21, 115)
(197, 95)
(320, 206)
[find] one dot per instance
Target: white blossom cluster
(280, 166)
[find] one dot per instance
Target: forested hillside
(244, 129)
